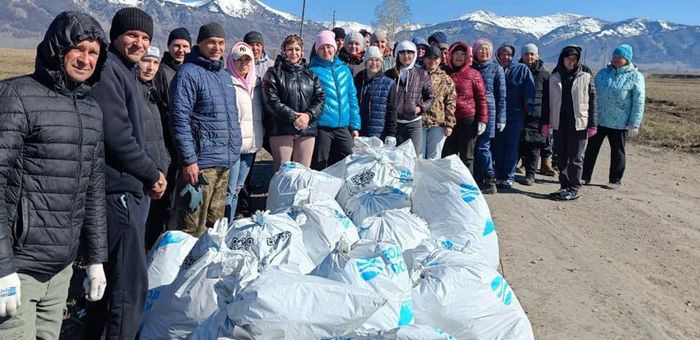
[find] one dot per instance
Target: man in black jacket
(129, 172)
(51, 179)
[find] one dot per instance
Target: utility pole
(303, 11)
(333, 23)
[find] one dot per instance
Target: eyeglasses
(407, 52)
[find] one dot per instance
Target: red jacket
(471, 91)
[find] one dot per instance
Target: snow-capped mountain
(658, 44)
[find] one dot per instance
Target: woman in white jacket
(241, 66)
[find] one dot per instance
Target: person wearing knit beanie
(356, 37)
(482, 42)
(210, 30)
(624, 51)
(373, 52)
(179, 44)
(211, 41)
(376, 98)
(140, 26)
(339, 39)
(353, 52)
(531, 48)
(325, 38)
(437, 38)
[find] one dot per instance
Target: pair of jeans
(483, 163)
(616, 138)
(506, 149)
(462, 141)
(236, 180)
(41, 313)
(432, 142)
(121, 308)
(412, 131)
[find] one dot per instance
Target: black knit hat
(253, 37)
(128, 19)
(179, 33)
(571, 50)
(339, 33)
(209, 30)
(433, 51)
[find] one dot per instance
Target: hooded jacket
(575, 87)
(442, 113)
(413, 90)
(51, 160)
(620, 99)
(340, 108)
(470, 88)
(289, 88)
(250, 115)
(520, 90)
(540, 75)
(203, 113)
(495, 81)
(377, 100)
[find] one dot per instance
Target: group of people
(107, 144)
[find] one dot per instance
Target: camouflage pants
(213, 203)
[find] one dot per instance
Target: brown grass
(671, 118)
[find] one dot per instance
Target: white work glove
(632, 131)
(501, 126)
(390, 141)
(95, 282)
(480, 128)
(9, 295)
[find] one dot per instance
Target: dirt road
(621, 264)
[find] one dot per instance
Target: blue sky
(432, 11)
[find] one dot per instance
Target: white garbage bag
(408, 332)
(275, 239)
(322, 223)
(372, 202)
(463, 295)
(283, 305)
(210, 274)
(293, 177)
(164, 262)
(446, 196)
(373, 166)
(399, 226)
(219, 326)
(378, 266)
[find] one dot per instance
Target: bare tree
(391, 14)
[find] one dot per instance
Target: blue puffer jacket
(495, 81)
(620, 97)
(203, 113)
(520, 91)
(340, 109)
(377, 99)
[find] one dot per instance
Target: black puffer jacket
(288, 89)
(152, 125)
(51, 160)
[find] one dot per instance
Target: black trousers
(617, 139)
(412, 131)
(569, 146)
(121, 308)
(530, 156)
(159, 213)
(331, 146)
(462, 141)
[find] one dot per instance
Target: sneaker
(559, 192)
(505, 184)
(488, 186)
(612, 186)
(529, 180)
(567, 196)
(585, 181)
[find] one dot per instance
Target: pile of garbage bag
(381, 245)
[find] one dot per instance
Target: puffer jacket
(203, 113)
(495, 81)
(356, 64)
(340, 108)
(415, 91)
(250, 115)
(154, 141)
(52, 193)
(442, 113)
(520, 91)
(289, 88)
(470, 88)
(576, 87)
(620, 97)
(540, 74)
(377, 99)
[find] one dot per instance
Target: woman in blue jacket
(620, 105)
(495, 81)
(340, 121)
